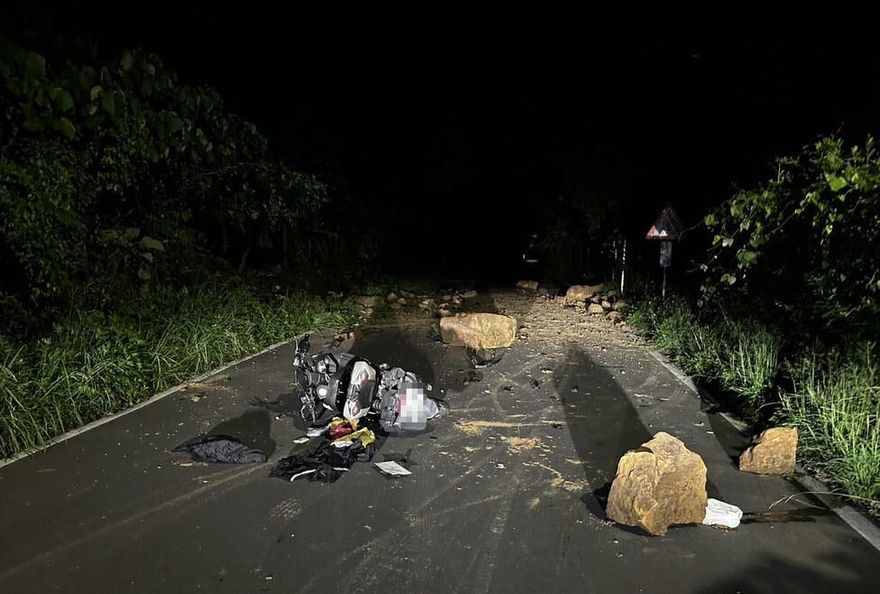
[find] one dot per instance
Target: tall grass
(835, 403)
(95, 363)
(750, 363)
(743, 356)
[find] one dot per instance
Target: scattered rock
(478, 330)
(443, 312)
(596, 299)
(468, 294)
(774, 452)
(392, 297)
(407, 294)
(446, 297)
(657, 485)
(368, 301)
(402, 301)
(606, 304)
(620, 305)
(595, 309)
(527, 285)
(613, 316)
(396, 306)
(582, 292)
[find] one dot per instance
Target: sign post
(666, 229)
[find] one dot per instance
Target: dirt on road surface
(507, 492)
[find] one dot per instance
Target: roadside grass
(94, 363)
(835, 403)
(834, 398)
(742, 356)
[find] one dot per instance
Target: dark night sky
(440, 110)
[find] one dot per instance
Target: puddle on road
(780, 517)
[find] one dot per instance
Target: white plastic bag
(719, 513)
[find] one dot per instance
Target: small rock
(613, 316)
(446, 297)
(620, 305)
(442, 312)
(402, 301)
(606, 304)
(368, 301)
(774, 452)
(396, 306)
(468, 294)
(408, 294)
(582, 292)
(391, 297)
(595, 309)
(596, 299)
(527, 285)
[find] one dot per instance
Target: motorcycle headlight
(322, 391)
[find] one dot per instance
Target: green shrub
(115, 177)
(801, 244)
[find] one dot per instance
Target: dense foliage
(801, 248)
(115, 177)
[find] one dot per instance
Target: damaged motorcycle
(352, 387)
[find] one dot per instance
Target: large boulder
(774, 452)
(582, 292)
(657, 485)
(478, 330)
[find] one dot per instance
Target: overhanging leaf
(66, 128)
(149, 243)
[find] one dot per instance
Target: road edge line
(851, 516)
(154, 398)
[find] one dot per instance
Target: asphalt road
(506, 494)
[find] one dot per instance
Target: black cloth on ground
(220, 448)
(324, 462)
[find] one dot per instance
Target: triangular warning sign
(668, 226)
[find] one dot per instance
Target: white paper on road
(392, 468)
(719, 513)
